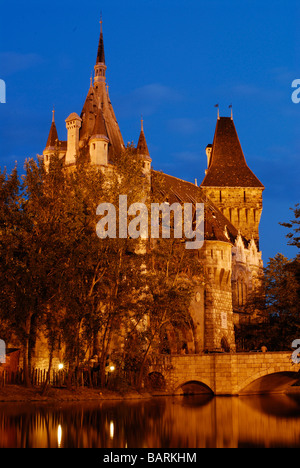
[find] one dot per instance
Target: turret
(230, 183)
(73, 124)
(52, 142)
(142, 150)
(99, 142)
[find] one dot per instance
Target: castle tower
(229, 182)
(73, 124)
(98, 101)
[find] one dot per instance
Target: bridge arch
(270, 380)
(192, 387)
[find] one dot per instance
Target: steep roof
(101, 54)
(142, 147)
(100, 127)
(98, 102)
(53, 135)
(228, 167)
(216, 225)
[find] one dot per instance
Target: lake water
(164, 422)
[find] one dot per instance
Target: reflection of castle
(231, 193)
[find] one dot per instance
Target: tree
(172, 273)
(277, 300)
(294, 237)
(88, 295)
(19, 290)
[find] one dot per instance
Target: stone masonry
(229, 374)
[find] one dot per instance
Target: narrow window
(244, 196)
(220, 196)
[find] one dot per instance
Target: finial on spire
(142, 124)
(217, 105)
(230, 107)
(100, 55)
(53, 115)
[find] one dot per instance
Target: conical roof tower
(53, 135)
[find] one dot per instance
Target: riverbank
(17, 393)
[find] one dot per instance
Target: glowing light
(59, 435)
(112, 368)
(60, 366)
(111, 429)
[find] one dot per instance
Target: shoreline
(17, 393)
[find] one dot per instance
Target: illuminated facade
(231, 193)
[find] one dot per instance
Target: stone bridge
(225, 374)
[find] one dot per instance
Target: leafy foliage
(88, 296)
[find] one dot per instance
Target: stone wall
(241, 206)
(219, 327)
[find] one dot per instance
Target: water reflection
(174, 422)
(59, 435)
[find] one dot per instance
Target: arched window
(241, 292)
(224, 345)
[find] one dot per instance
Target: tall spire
(100, 66)
(101, 54)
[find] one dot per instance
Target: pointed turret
(53, 142)
(227, 165)
(99, 95)
(142, 150)
(53, 135)
(230, 183)
(100, 127)
(142, 147)
(99, 141)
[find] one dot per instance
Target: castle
(231, 193)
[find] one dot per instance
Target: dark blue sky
(170, 61)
